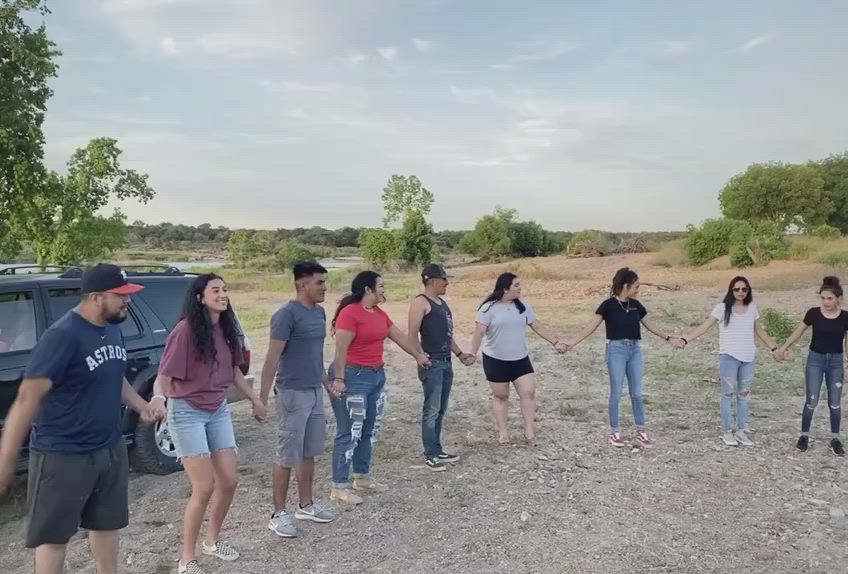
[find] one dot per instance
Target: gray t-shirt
(505, 330)
(301, 365)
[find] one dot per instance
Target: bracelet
(685, 342)
(668, 337)
(773, 349)
(459, 354)
(164, 399)
(338, 379)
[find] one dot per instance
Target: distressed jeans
(436, 381)
(625, 361)
(736, 379)
(827, 366)
(359, 415)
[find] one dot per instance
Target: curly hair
(200, 324)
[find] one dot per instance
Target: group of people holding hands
(201, 361)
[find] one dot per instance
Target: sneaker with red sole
(643, 440)
(615, 439)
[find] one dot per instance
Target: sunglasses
(740, 289)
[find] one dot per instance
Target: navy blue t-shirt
(86, 363)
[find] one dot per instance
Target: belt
(364, 367)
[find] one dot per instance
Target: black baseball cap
(434, 271)
(108, 278)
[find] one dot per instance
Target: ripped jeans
(359, 415)
(827, 366)
(736, 378)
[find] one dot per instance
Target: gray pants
(301, 429)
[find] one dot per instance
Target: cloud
(542, 51)
(139, 5)
(388, 53)
(471, 95)
(121, 118)
(755, 43)
(94, 59)
(501, 66)
(422, 46)
(353, 60)
(675, 48)
(244, 45)
(298, 114)
(274, 86)
(169, 46)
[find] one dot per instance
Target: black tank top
(437, 329)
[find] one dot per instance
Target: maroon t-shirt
(201, 382)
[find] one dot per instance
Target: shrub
(290, 252)
(379, 246)
(593, 243)
(777, 323)
(833, 258)
(416, 240)
(826, 231)
(711, 240)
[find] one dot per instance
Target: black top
(437, 329)
(622, 319)
(827, 333)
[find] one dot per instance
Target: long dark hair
(730, 299)
(363, 280)
(831, 283)
(502, 285)
(200, 323)
(622, 277)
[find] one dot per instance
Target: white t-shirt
(737, 337)
(505, 330)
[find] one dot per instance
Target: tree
(402, 195)
(527, 238)
(241, 247)
(834, 172)
(26, 66)
(379, 246)
(290, 252)
(791, 195)
(61, 214)
(490, 237)
(416, 239)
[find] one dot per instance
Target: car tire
(154, 449)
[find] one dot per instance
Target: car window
(63, 300)
(165, 298)
(17, 322)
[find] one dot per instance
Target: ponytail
(363, 280)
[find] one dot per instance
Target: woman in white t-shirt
(738, 321)
(503, 320)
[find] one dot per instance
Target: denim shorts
(199, 433)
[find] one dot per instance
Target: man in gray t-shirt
(295, 361)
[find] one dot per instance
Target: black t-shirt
(827, 333)
(622, 319)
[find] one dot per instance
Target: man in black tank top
(431, 330)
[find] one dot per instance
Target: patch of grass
(833, 258)
(253, 318)
(531, 270)
(669, 255)
(777, 323)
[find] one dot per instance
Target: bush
(416, 240)
(380, 246)
(290, 252)
(593, 243)
(777, 323)
(826, 231)
(490, 237)
(833, 258)
(711, 240)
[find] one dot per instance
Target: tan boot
(368, 484)
(345, 495)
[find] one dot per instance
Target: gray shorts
(301, 432)
(69, 491)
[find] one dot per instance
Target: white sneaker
(191, 568)
(729, 439)
(314, 512)
(220, 550)
(743, 439)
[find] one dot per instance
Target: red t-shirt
(371, 327)
(202, 383)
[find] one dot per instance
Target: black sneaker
(435, 464)
(445, 457)
(836, 447)
(803, 443)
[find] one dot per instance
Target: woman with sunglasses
(738, 322)
(824, 361)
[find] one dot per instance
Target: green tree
(416, 239)
(714, 238)
(404, 194)
(290, 252)
(834, 172)
(491, 236)
(527, 239)
(242, 247)
(785, 193)
(62, 211)
(379, 246)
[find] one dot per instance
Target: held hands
(677, 343)
(155, 411)
(336, 388)
(423, 360)
(562, 346)
(260, 411)
(467, 359)
(779, 354)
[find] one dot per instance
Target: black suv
(31, 301)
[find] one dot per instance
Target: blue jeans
(736, 378)
(359, 415)
(625, 360)
(199, 433)
(436, 382)
(827, 366)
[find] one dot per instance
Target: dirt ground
(571, 504)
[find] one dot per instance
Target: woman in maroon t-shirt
(199, 365)
(358, 381)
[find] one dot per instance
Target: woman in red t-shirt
(358, 381)
(200, 363)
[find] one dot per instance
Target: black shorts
(498, 371)
(69, 491)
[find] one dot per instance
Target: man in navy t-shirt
(70, 399)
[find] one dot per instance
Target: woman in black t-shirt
(827, 349)
(624, 316)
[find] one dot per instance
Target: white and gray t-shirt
(737, 337)
(505, 330)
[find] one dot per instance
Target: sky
(615, 115)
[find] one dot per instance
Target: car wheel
(154, 451)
